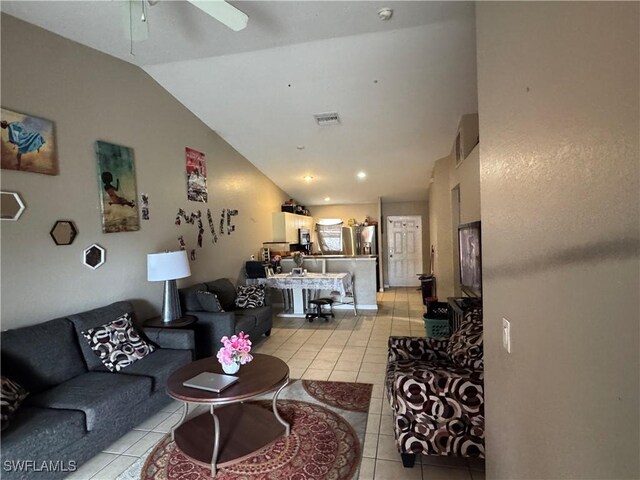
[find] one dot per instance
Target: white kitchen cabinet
(286, 225)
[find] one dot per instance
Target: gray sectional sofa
(227, 320)
(76, 407)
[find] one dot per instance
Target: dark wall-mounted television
(469, 243)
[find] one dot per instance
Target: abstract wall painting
(196, 175)
(28, 143)
(117, 184)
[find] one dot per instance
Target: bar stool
(318, 303)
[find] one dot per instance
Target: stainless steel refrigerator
(361, 240)
(338, 240)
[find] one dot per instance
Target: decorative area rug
(328, 421)
(347, 396)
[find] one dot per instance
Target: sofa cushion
(41, 356)
(117, 343)
(245, 323)
(465, 345)
(97, 394)
(250, 296)
(41, 429)
(189, 299)
(209, 301)
(261, 314)
(11, 396)
(225, 291)
(159, 365)
(92, 319)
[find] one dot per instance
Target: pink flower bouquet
(236, 350)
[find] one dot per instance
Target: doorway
(404, 241)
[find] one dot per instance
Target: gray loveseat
(76, 407)
(213, 324)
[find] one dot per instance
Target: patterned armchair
(435, 387)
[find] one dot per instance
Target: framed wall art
(28, 143)
(11, 206)
(117, 184)
(196, 175)
(94, 256)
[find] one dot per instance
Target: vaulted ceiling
(399, 86)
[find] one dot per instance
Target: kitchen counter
(364, 257)
(361, 267)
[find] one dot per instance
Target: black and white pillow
(117, 343)
(209, 301)
(11, 396)
(250, 296)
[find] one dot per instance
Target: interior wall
(358, 211)
(559, 125)
(420, 209)
(467, 175)
(90, 96)
(440, 227)
(446, 176)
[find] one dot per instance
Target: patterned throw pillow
(11, 396)
(209, 301)
(465, 346)
(117, 344)
(250, 296)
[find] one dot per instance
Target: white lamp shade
(167, 266)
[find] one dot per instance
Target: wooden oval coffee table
(232, 430)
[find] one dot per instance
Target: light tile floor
(347, 349)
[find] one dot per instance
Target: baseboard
(345, 306)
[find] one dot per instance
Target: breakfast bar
(362, 270)
(332, 282)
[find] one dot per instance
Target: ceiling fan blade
(223, 12)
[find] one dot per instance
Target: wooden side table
(177, 323)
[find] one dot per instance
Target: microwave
(304, 236)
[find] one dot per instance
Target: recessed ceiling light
(307, 178)
(300, 147)
(326, 199)
(361, 175)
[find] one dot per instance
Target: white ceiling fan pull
(223, 12)
(137, 24)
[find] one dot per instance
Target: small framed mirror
(11, 206)
(93, 256)
(63, 232)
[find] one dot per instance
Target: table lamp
(168, 267)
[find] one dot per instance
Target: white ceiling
(399, 86)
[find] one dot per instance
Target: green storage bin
(437, 328)
(436, 320)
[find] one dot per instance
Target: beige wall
(406, 208)
(91, 96)
(559, 127)
(467, 175)
(440, 226)
(345, 212)
(446, 176)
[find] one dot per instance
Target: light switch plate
(506, 335)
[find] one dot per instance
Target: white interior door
(404, 240)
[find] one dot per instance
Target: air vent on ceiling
(326, 119)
